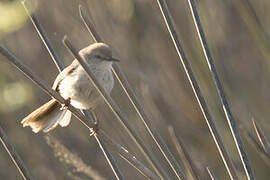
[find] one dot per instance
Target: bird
(74, 85)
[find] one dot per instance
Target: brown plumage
(73, 83)
(41, 117)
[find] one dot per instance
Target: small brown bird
(73, 84)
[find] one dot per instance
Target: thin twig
(126, 155)
(18, 162)
(258, 145)
(28, 72)
(178, 171)
(254, 26)
(89, 25)
(211, 174)
(196, 89)
(131, 96)
(43, 37)
(262, 138)
(109, 157)
(183, 152)
(252, 140)
(103, 147)
(225, 104)
(45, 40)
(112, 105)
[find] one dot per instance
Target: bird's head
(98, 54)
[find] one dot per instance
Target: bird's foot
(94, 129)
(67, 103)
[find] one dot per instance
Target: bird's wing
(64, 73)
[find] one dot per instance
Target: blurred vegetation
(237, 33)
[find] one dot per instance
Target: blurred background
(238, 35)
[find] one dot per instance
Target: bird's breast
(80, 90)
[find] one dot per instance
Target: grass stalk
(225, 104)
(109, 157)
(43, 37)
(127, 156)
(211, 174)
(262, 138)
(103, 147)
(183, 152)
(252, 141)
(197, 91)
(14, 156)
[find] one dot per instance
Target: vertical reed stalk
(183, 152)
(222, 96)
(197, 91)
(14, 156)
(44, 38)
(262, 138)
(211, 174)
(127, 156)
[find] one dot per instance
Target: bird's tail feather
(47, 117)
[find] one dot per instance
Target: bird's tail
(47, 117)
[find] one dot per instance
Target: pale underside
(80, 90)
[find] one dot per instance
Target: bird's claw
(94, 129)
(67, 103)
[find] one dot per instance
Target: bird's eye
(102, 58)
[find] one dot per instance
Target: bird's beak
(114, 59)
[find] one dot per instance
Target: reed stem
(197, 91)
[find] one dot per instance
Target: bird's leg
(67, 103)
(95, 128)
